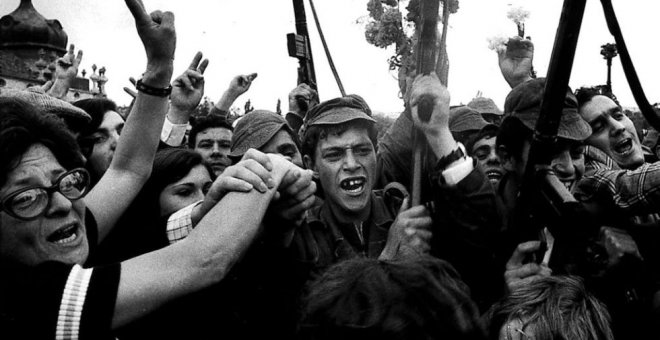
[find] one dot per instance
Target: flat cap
(524, 103)
(255, 129)
(49, 104)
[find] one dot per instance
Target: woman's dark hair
(365, 299)
(96, 108)
(317, 132)
(512, 135)
(142, 229)
(171, 165)
(23, 125)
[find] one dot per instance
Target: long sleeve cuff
(458, 170)
(179, 224)
(172, 134)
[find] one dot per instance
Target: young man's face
(105, 140)
(613, 132)
(214, 146)
(346, 165)
(486, 153)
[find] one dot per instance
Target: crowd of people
(164, 225)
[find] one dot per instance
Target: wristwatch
(457, 154)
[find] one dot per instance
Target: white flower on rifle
(497, 43)
(518, 14)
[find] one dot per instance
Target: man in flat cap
(487, 108)
(338, 141)
(470, 128)
(269, 132)
(75, 118)
(472, 217)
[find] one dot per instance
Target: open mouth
(64, 235)
(624, 147)
(494, 175)
(353, 185)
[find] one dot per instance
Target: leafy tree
(388, 25)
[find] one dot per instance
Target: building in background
(29, 46)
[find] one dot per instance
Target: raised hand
(156, 30)
(129, 91)
(66, 69)
(302, 98)
(241, 83)
(516, 61)
(237, 86)
(429, 86)
(188, 90)
(518, 273)
(410, 234)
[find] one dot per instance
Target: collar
(597, 159)
(380, 214)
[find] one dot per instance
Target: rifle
(628, 68)
(543, 198)
(299, 47)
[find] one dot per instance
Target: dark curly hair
(202, 123)
(96, 108)
(23, 125)
(367, 298)
(317, 132)
(584, 94)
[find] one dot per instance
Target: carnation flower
(497, 43)
(518, 15)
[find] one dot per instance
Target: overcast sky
(244, 36)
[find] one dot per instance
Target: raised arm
(436, 130)
(66, 69)
(133, 159)
(516, 61)
(239, 85)
(187, 92)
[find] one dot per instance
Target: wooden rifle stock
(426, 63)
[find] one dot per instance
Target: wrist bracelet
(153, 91)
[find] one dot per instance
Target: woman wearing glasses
(47, 234)
(45, 239)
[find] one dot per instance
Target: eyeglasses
(28, 203)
